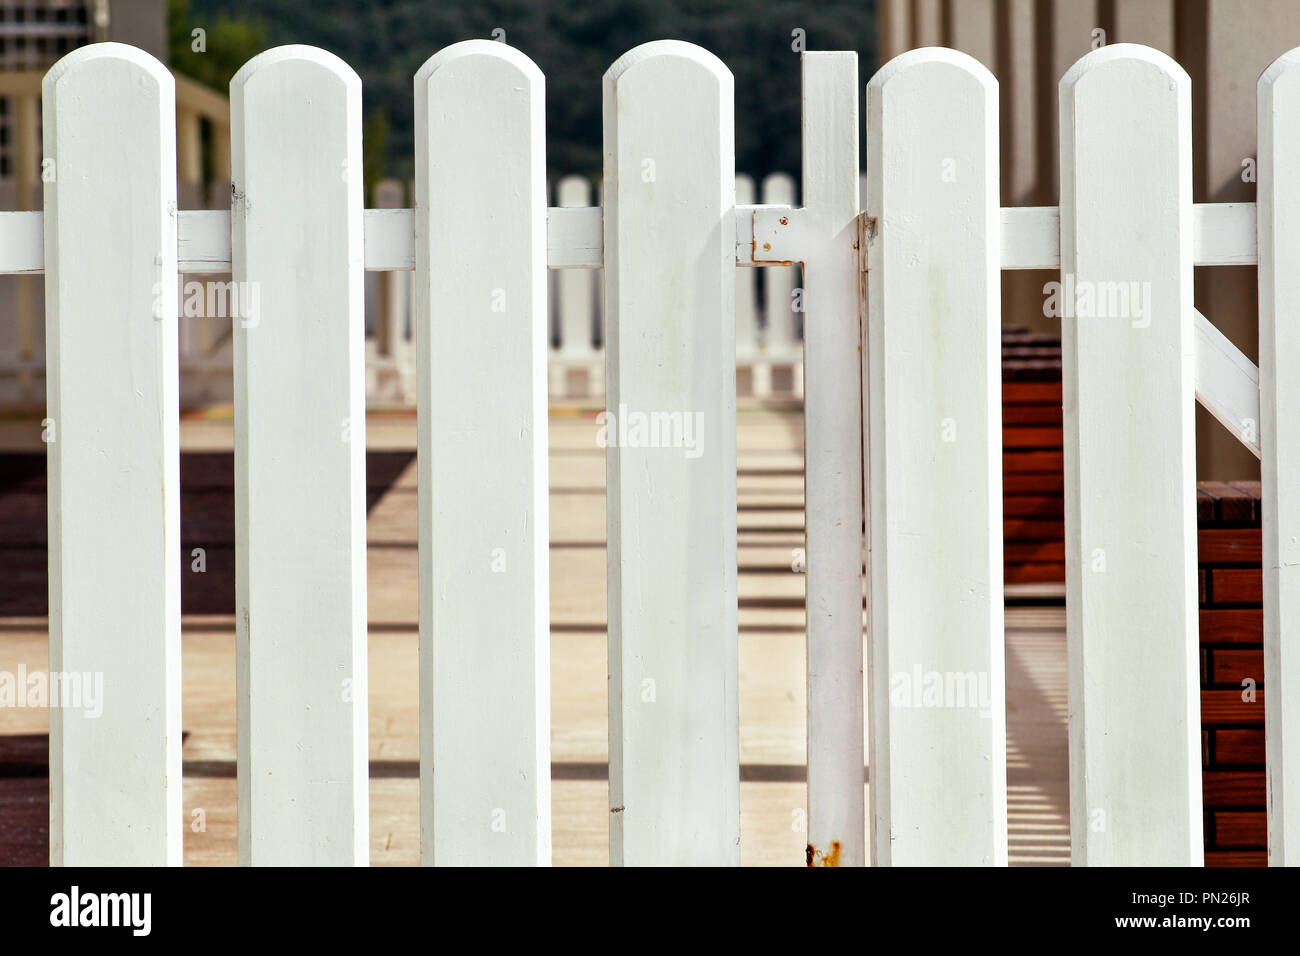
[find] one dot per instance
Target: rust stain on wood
(816, 857)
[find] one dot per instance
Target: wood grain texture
(1129, 379)
(933, 368)
(480, 316)
(670, 316)
(114, 517)
(833, 458)
(1279, 362)
(300, 513)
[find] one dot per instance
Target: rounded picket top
(669, 288)
(110, 335)
(1284, 70)
(486, 72)
(310, 61)
(1139, 59)
(677, 52)
(934, 87)
(573, 190)
(745, 194)
(921, 99)
(481, 52)
(778, 189)
(937, 58)
(99, 60)
(480, 186)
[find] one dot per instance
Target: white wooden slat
(1224, 235)
(1030, 237)
(114, 459)
(934, 441)
(300, 461)
(1227, 384)
(747, 332)
(481, 322)
(22, 242)
(1279, 365)
(204, 244)
(203, 240)
(575, 238)
(1130, 481)
(674, 786)
(389, 239)
(833, 460)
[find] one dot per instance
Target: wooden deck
(772, 674)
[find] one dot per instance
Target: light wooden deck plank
(772, 680)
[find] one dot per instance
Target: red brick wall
(1232, 651)
(1231, 618)
(1033, 480)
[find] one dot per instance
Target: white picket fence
(769, 345)
(922, 263)
(769, 335)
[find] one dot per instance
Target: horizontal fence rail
(903, 446)
(1223, 234)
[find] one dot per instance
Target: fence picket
(1279, 361)
(113, 455)
(296, 226)
(1130, 484)
(920, 398)
(670, 299)
(481, 318)
(935, 458)
(833, 460)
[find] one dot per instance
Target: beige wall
(1223, 44)
(141, 23)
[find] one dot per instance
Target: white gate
(914, 395)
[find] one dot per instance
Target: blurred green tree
(573, 42)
